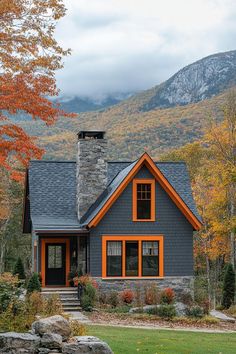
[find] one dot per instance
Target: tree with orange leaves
(29, 57)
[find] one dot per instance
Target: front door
(55, 264)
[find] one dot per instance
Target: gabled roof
(123, 178)
(52, 190)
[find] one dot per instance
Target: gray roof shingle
(52, 190)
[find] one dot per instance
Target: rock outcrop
(54, 324)
(51, 335)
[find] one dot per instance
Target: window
(144, 200)
(54, 256)
(132, 256)
(150, 262)
(114, 258)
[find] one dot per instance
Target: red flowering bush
(127, 296)
(167, 296)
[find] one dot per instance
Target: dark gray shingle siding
(178, 233)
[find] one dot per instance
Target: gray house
(121, 222)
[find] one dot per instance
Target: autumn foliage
(167, 296)
(29, 56)
(127, 296)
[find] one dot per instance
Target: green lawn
(145, 341)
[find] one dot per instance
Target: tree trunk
(208, 279)
(232, 232)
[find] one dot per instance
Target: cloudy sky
(121, 46)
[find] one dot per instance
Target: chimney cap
(91, 134)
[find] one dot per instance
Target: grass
(148, 341)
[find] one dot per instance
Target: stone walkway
(221, 316)
(78, 316)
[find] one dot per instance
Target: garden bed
(146, 320)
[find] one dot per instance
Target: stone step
(71, 309)
(61, 289)
(70, 303)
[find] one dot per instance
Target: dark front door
(55, 263)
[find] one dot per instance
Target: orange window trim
(43, 257)
(138, 238)
(146, 160)
(137, 181)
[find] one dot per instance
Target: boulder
(145, 308)
(18, 343)
(51, 341)
(86, 345)
(180, 309)
(54, 324)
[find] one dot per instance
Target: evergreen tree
(19, 269)
(34, 283)
(228, 287)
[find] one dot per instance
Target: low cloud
(132, 45)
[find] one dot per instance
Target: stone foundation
(179, 284)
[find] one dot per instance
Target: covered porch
(58, 258)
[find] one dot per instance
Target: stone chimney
(91, 171)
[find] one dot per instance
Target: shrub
(119, 309)
(151, 295)
(167, 296)
(200, 289)
(186, 298)
(232, 310)
(19, 269)
(138, 296)
(88, 298)
(77, 329)
(166, 311)
(33, 284)
(209, 320)
(152, 310)
(102, 298)
(228, 287)
(195, 311)
(20, 314)
(53, 305)
(9, 290)
(113, 299)
(127, 296)
(206, 306)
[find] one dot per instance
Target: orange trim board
(149, 163)
(139, 239)
(43, 257)
(137, 181)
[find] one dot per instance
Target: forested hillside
(130, 131)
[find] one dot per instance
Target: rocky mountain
(156, 120)
(196, 82)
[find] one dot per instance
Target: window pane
(143, 209)
(150, 258)
(54, 257)
(114, 258)
(131, 258)
(144, 201)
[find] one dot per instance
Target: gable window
(143, 200)
(132, 256)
